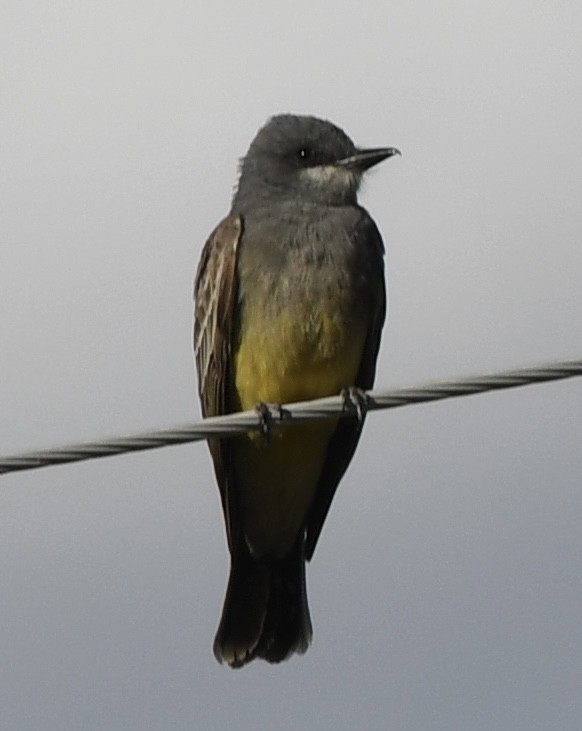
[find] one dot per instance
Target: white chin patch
(328, 176)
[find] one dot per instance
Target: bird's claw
(355, 399)
(267, 413)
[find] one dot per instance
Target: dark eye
(304, 154)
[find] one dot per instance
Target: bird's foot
(268, 413)
(355, 399)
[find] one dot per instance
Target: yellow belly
(288, 359)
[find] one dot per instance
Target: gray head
(303, 158)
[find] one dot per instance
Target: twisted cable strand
(226, 426)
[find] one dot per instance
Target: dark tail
(265, 610)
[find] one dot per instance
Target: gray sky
(446, 590)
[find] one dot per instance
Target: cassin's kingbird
(289, 305)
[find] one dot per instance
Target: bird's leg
(265, 413)
(355, 399)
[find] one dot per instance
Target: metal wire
(226, 426)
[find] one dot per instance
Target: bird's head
(304, 158)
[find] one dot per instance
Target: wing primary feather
(215, 291)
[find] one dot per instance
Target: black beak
(364, 159)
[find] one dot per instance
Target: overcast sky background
(446, 591)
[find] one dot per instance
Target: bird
(290, 302)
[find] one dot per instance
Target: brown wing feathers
(214, 297)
